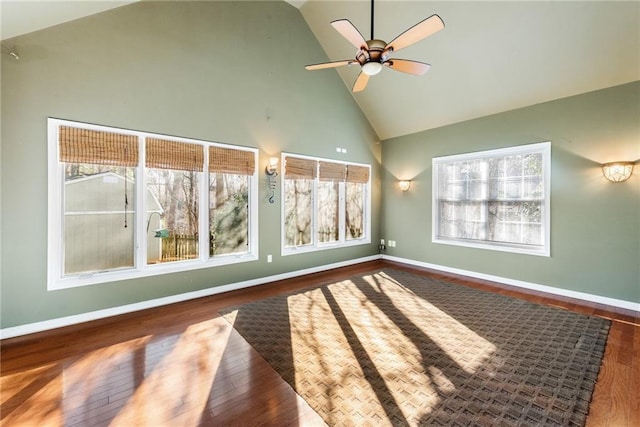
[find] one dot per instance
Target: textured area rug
(395, 348)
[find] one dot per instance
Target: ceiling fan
(373, 55)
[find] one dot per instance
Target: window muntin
(497, 199)
(317, 213)
(99, 176)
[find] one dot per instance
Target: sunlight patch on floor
(177, 390)
(372, 348)
(468, 349)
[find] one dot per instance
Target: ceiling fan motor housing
(374, 52)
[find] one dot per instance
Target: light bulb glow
(404, 185)
(372, 68)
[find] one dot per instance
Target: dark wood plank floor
(184, 365)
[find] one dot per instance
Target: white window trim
(315, 245)
(55, 248)
(541, 147)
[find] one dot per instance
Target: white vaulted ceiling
(491, 56)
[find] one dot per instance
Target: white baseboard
(114, 311)
(634, 306)
(45, 325)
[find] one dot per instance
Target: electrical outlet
(382, 241)
(392, 243)
(269, 258)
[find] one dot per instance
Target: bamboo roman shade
(164, 154)
(230, 160)
(298, 168)
(330, 171)
(357, 174)
(97, 147)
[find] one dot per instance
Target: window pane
(174, 195)
(354, 218)
(228, 213)
(462, 220)
(298, 203)
(328, 211)
(98, 218)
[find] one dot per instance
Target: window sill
(87, 279)
(502, 247)
(295, 250)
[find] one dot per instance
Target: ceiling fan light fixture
(371, 68)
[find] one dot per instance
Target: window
(497, 199)
(126, 204)
(325, 204)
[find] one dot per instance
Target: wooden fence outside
(179, 247)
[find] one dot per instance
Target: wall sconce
(404, 185)
(272, 172)
(617, 171)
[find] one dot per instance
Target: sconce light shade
(272, 166)
(404, 185)
(617, 171)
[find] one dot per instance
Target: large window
(497, 199)
(125, 204)
(325, 204)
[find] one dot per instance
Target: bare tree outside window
(228, 213)
(298, 211)
(328, 211)
(354, 210)
(177, 192)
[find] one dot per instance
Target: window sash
(497, 199)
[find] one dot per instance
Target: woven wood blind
(297, 168)
(330, 171)
(357, 174)
(230, 160)
(163, 154)
(97, 147)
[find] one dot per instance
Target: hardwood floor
(184, 365)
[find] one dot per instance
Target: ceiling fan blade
(409, 67)
(361, 82)
(333, 64)
(423, 29)
(349, 32)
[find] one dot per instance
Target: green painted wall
(595, 224)
(230, 72)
